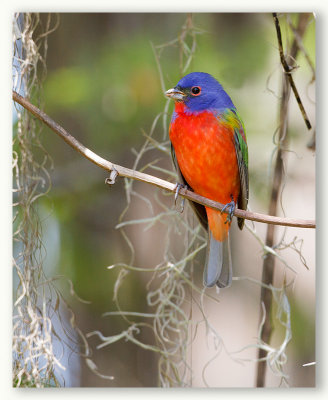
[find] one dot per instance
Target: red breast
(207, 159)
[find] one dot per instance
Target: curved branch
(129, 173)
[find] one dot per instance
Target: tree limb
(129, 173)
(269, 260)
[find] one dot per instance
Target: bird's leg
(178, 187)
(112, 177)
(232, 206)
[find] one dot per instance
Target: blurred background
(103, 86)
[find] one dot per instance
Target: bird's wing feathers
(197, 208)
(231, 119)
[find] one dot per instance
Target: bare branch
(301, 29)
(161, 183)
(269, 260)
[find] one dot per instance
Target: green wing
(231, 119)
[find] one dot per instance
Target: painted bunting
(210, 153)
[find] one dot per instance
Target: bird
(210, 153)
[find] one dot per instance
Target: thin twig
(269, 260)
(161, 183)
(302, 25)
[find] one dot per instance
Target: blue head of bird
(199, 92)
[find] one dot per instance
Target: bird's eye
(195, 90)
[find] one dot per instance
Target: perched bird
(209, 150)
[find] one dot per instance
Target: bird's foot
(231, 206)
(112, 177)
(178, 187)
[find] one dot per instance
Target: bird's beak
(175, 94)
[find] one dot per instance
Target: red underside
(207, 159)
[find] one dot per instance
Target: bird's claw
(232, 206)
(112, 177)
(178, 187)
